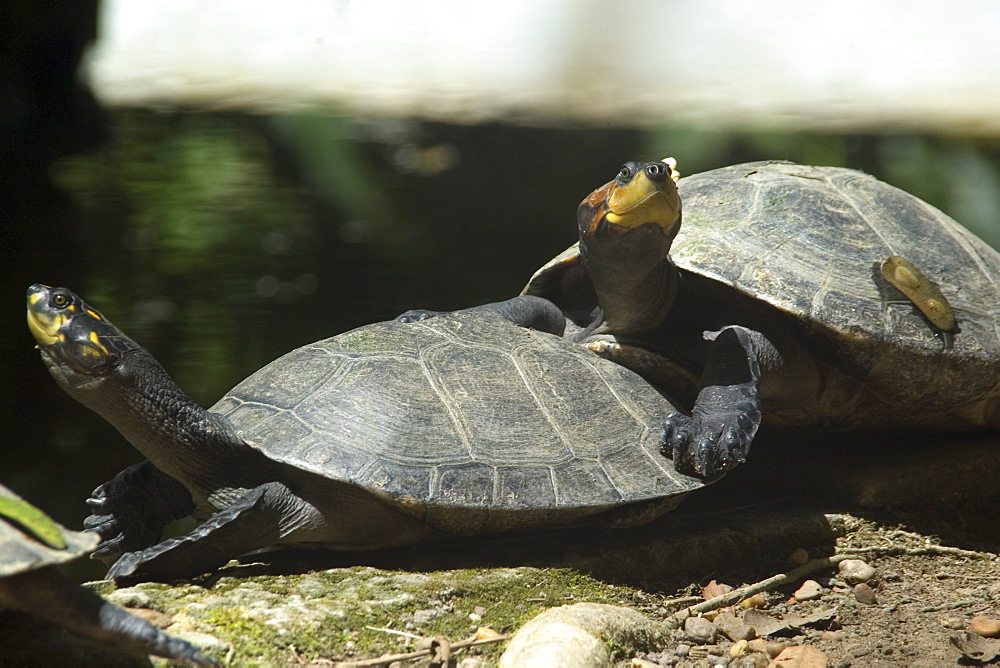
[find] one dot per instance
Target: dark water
(220, 242)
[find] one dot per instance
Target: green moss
(343, 613)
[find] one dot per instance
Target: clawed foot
(416, 315)
(718, 434)
(119, 523)
(130, 511)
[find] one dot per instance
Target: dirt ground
(919, 605)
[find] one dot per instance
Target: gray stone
(701, 631)
(733, 627)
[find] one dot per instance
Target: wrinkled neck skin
(144, 404)
(635, 280)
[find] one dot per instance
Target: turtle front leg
(131, 510)
(254, 521)
(525, 310)
(717, 435)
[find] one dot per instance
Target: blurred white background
(918, 64)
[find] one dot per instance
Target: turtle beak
(642, 194)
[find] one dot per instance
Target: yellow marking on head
(45, 328)
(95, 314)
(35, 297)
(97, 343)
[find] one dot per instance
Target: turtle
(800, 297)
(32, 546)
(387, 435)
(794, 296)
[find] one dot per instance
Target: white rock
(855, 570)
(809, 591)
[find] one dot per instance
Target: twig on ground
(386, 659)
(684, 600)
(923, 551)
(735, 596)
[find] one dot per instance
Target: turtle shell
(466, 421)
(810, 241)
(30, 540)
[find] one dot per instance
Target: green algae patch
(360, 612)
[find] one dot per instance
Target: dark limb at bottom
(727, 412)
(526, 310)
(252, 522)
(131, 510)
(86, 614)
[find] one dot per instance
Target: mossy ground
(339, 614)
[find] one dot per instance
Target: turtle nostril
(657, 171)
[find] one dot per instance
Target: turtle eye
(626, 173)
(59, 300)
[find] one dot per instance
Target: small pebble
(773, 648)
(754, 660)
(758, 645)
(800, 656)
(865, 594)
(855, 570)
(733, 627)
(700, 630)
(832, 635)
(809, 591)
(985, 626)
(756, 601)
(682, 650)
(740, 649)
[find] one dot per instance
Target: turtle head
(642, 196)
(626, 229)
(102, 368)
(78, 344)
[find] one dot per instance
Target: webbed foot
(718, 434)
